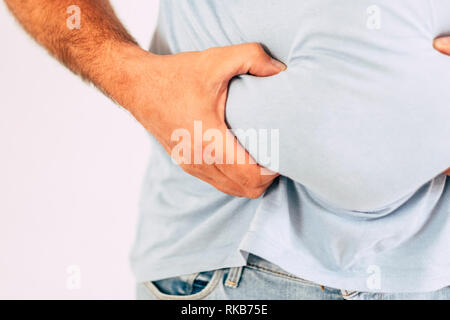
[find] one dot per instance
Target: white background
(71, 165)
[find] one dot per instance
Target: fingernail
(279, 64)
(442, 43)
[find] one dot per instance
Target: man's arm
(164, 93)
(442, 44)
(90, 51)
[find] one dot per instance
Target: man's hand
(164, 93)
(168, 93)
(442, 44)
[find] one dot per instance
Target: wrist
(120, 70)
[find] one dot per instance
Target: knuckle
(252, 178)
(254, 193)
(252, 48)
(255, 46)
(248, 182)
(257, 50)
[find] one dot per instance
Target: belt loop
(233, 277)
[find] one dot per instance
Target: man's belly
(362, 110)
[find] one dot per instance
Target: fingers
(448, 172)
(228, 186)
(240, 167)
(211, 175)
(442, 45)
(250, 58)
(225, 166)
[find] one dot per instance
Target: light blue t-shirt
(362, 115)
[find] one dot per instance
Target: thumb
(251, 58)
(442, 44)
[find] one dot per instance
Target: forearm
(97, 51)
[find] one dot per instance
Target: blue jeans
(261, 280)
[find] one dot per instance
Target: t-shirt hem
(392, 280)
(149, 270)
(274, 252)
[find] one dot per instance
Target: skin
(163, 93)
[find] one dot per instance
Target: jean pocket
(195, 286)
